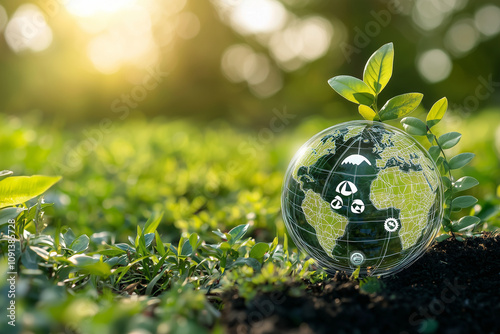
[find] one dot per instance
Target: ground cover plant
(163, 228)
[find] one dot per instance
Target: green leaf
(465, 223)
(238, 232)
(368, 113)
(434, 151)
(462, 202)
(440, 164)
(248, 261)
(400, 106)
(219, 234)
(430, 138)
(450, 139)
(160, 248)
(148, 239)
(155, 280)
(460, 160)
(81, 260)
(152, 223)
(225, 246)
(8, 214)
(442, 237)
(41, 252)
(437, 112)
(414, 126)
(193, 241)
(352, 89)
(19, 189)
(258, 250)
(126, 247)
(92, 265)
(378, 69)
(186, 250)
(355, 273)
(446, 182)
(69, 237)
(80, 244)
(465, 183)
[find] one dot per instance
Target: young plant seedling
(365, 93)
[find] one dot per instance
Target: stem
(449, 173)
(375, 108)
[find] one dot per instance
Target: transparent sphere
(363, 194)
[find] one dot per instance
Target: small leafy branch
(365, 93)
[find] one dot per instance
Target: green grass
(129, 241)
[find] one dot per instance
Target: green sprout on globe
(366, 196)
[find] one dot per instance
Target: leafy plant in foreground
(176, 281)
(365, 93)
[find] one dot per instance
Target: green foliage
(377, 73)
(400, 106)
(19, 189)
(378, 69)
(176, 280)
(371, 285)
(95, 263)
(414, 126)
(352, 89)
(437, 112)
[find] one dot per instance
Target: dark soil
(453, 288)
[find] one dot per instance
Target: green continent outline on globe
(405, 181)
(315, 208)
(329, 225)
(413, 192)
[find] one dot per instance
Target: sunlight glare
(87, 8)
(258, 16)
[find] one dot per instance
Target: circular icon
(357, 258)
(357, 206)
(346, 188)
(391, 224)
(337, 202)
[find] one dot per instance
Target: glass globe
(363, 194)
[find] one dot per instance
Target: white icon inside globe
(337, 202)
(391, 225)
(357, 258)
(362, 190)
(346, 188)
(357, 206)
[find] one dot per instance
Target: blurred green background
(195, 108)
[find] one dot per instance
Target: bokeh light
(434, 65)
(28, 30)
(241, 63)
(258, 16)
(430, 14)
(487, 20)
(87, 8)
(462, 37)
